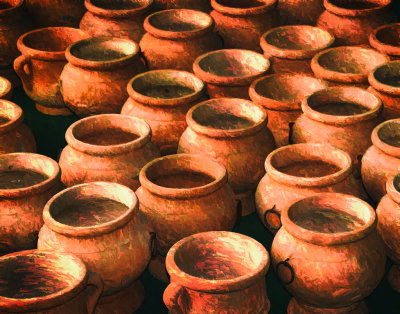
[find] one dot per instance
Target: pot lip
(386, 148)
(208, 285)
(223, 9)
(382, 87)
(391, 190)
(16, 121)
(380, 46)
(19, 4)
(7, 87)
(117, 14)
(329, 6)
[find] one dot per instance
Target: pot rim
(391, 190)
(381, 46)
(7, 87)
(15, 121)
(331, 7)
(118, 14)
(19, 4)
(380, 86)
(223, 9)
(380, 144)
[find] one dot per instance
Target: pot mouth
(386, 39)
(9, 5)
(118, 8)
(356, 7)
(90, 209)
(386, 78)
(386, 136)
(5, 88)
(11, 115)
(243, 7)
(224, 261)
(329, 219)
(393, 188)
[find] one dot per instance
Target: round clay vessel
(351, 22)
(14, 135)
(302, 170)
(108, 147)
(291, 48)
(98, 70)
(121, 18)
(162, 98)
(299, 12)
(41, 63)
(182, 195)
(6, 88)
(217, 271)
(229, 72)
(326, 247)
(199, 5)
(242, 22)
(385, 39)
(27, 182)
(281, 96)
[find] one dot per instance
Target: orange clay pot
(299, 12)
(328, 254)
(107, 147)
(41, 63)
(162, 98)
(229, 72)
(281, 96)
(386, 39)
(302, 170)
(6, 88)
(200, 5)
(290, 48)
(98, 70)
(28, 181)
(182, 195)
(217, 272)
(14, 136)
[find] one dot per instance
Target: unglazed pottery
(229, 72)
(328, 254)
(162, 98)
(281, 96)
(6, 88)
(299, 12)
(217, 272)
(385, 39)
(41, 63)
(108, 147)
(200, 5)
(182, 195)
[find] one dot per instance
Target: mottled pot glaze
(217, 272)
(385, 39)
(328, 254)
(6, 88)
(299, 12)
(200, 5)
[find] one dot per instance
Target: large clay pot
(109, 147)
(291, 48)
(28, 181)
(99, 223)
(229, 72)
(328, 254)
(182, 195)
(235, 133)
(200, 5)
(41, 63)
(217, 272)
(281, 96)
(162, 98)
(6, 88)
(242, 22)
(98, 70)
(302, 170)
(299, 12)
(386, 39)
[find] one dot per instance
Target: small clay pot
(281, 96)
(199, 5)
(162, 98)
(299, 12)
(242, 22)
(6, 88)
(182, 195)
(108, 147)
(291, 48)
(98, 70)
(326, 247)
(217, 272)
(229, 72)
(41, 63)
(121, 18)
(386, 40)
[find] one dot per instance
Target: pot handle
(277, 217)
(239, 211)
(286, 264)
(291, 124)
(95, 293)
(19, 67)
(172, 296)
(153, 245)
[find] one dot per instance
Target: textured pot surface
(6, 88)
(299, 12)
(200, 5)
(385, 39)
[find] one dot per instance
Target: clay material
(385, 39)
(299, 12)
(200, 5)
(6, 88)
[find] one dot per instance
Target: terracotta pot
(107, 147)
(299, 12)
(302, 170)
(6, 88)
(162, 98)
(182, 195)
(326, 247)
(28, 181)
(351, 22)
(41, 63)
(229, 72)
(98, 70)
(242, 22)
(123, 19)
(281, 96)
(385, 39)
(217, 272)
(200, 5)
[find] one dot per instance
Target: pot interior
(241, 4)
(389, 35)
(8, 112)
(389, 133)
(7, 4)
(120, 4)
(180, 20)
(359, 4)
(396, 182)
(389, 74)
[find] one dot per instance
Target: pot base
(394, 277)
(295, 307)
(248, 202)
(157, 269)
(53, 111)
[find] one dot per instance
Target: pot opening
(20, 178)
(7, 4)
(120, 4)
(241, 4)
(358, 4)
(9, 112)
(396, 183)
(389, 133)
(389, 74)
(180, 20)
(389, 35)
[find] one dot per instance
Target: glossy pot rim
(223, 9)
(18, 5)
(379, 85)
(5, 87)
(118, 14)
(381, 46)
(380, 144)
(391, 190)
(15, 120)
(335, 9)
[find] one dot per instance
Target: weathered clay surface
(386, 40)
(200, 5)
(6, 88)
(299, 12)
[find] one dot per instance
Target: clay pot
(28, 181)
(182, 195)
(351, 22)
(326, 247)
(299, 12)
(162, 98)
(199, 5)
(281, 96)
(41, 63)
(109, 147)
(235, 133)
(6, 88)
(98, 70)
(385, 39)
(99, 223)
(229, 72)
(242, 22)
(302, 170)
(217, 272)
(123, 19)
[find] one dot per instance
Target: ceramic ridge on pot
(376, 5)
(385, 40)
(235, 8)
(6, 88)
(118, 9)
